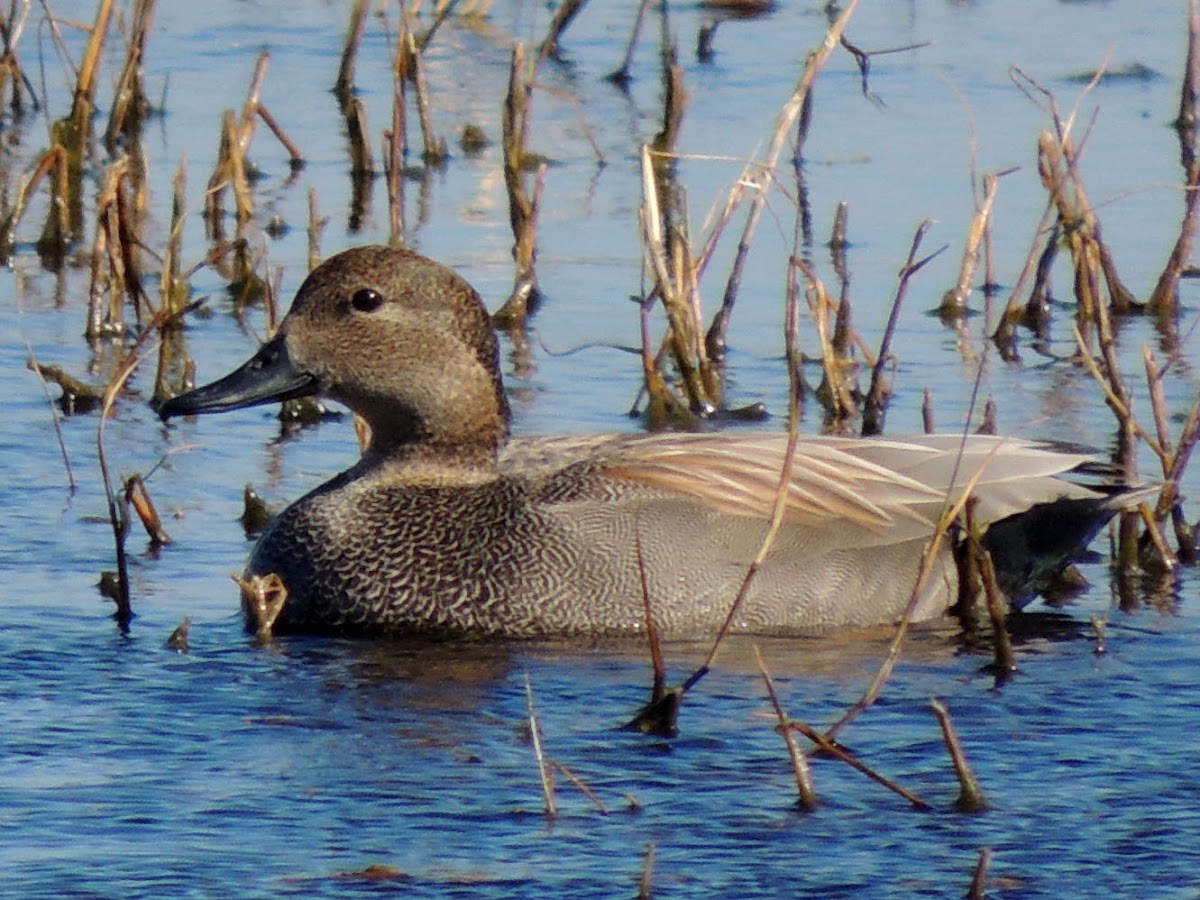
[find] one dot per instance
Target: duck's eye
(366, 300)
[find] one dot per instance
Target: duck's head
(400, 339)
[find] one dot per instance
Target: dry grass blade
(982, 586)
(522, 208)
(54, 160)
(545, 775)
(1058, 167)
(362, 164)
(343, 88)
(118, 515)
(1189, 93)
(231, 168)
(295, 157)
(173, 295)
(1189, 434)
(757, 178)
(664, 406)
(1129, 430)
(620, 75)
(1117, 403)
(316, 224)
(791, 327)
(137, 496)
(563, 17)
(11, 30)
(875, 404)
(954, 303)
(838, 383)
(826, 745)
(667, 249)
(941, 534)
(1169, 500)
(62, 444)
(1034, 311)
(173, 291)
(130, 106)
(666, 246)
(978, 888)
(116, 265)
(85, 83)
(64, 216)
(362, 161)
(1165, 297)
(435, 151)
(971, 798)
(250, 107)
(442, 11)
(791, 320)
(393, 163)
(660, 715)
(806, 793)
(581, 786)
(646, 882)
(73, 135)
(658, 689)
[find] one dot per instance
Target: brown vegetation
(684, 376)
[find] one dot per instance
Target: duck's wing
(868, 485)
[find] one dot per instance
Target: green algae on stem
(971, 798)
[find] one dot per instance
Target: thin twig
(62, 445)
(978, 888)
(971, 797)
(875, 405)
(806, 793)
(620, 76)
(581, 786)
(826, 745)
(646, 882)
(117, 516)
(758, 178)
(535, 736)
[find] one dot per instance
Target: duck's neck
(455, 437)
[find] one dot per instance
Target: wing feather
(869, 484)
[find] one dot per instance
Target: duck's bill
(269, 376)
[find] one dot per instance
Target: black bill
(268, 376)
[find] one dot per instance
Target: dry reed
(522, 205)
(806, 794)
(130, 106)
(545, 771)
(824, 744)
(978, 887)
(971, 798)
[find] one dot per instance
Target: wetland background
(127, 767)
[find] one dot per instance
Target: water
(127, 768)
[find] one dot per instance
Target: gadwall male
(446, 526)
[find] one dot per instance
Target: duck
(448, 526)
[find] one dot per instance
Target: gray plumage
(447, 526)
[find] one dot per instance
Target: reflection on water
(126, 766)
(292, 769)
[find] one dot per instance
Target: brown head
(400, 339)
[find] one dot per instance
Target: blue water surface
(342, 768)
